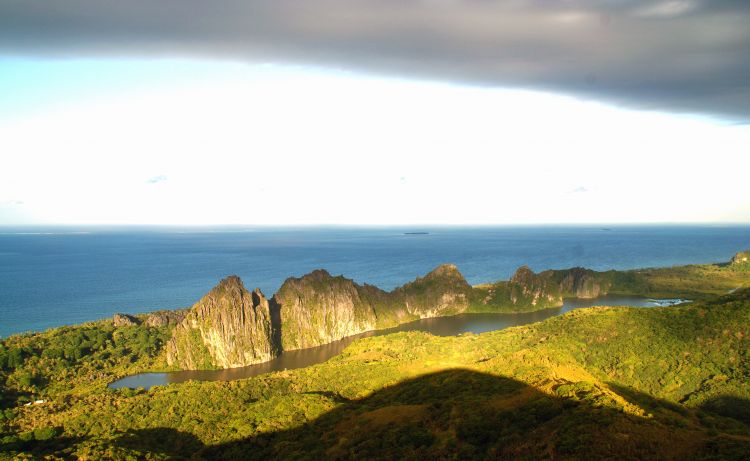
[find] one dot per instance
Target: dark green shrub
(44, 433)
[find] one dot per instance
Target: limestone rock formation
(165, 318)
(548, 288)
(124, 320)
(583, 283)
(444, 291)
(539, 290)
(319, 308)
(229, 327)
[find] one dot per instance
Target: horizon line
(372, 225)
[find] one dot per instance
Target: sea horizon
(58, 275)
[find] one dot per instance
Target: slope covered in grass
(662, 383)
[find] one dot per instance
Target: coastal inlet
(440, 326)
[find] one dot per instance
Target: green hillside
(625, 383)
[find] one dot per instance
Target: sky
(374, 112)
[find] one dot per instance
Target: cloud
(668, 9)
(156, 179)
(675, 55)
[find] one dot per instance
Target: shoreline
(58, 280)
(286, 359)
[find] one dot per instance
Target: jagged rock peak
(445, 276)
(228, 283)
(229, 327)
(522, 274)
(317, 274)
(444, 291)
(318, 308)
(317, 279)
(445, 271)
(233, 287)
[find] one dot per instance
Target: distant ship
(416, 233)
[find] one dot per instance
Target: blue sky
(33, 84)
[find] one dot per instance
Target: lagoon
(439, 326)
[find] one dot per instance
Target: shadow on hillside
(35, 449)
(730, 407)
(9, 398)
(463, 414)
(737, 409)
(646, 401)
(275, 311)
(161, 441)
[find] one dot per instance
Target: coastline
(57, 280)
(572, 356)
(452, 325)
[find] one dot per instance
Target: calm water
(443, 326)
(52, 277)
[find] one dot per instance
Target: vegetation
(79, 358)
(661, 383)
(692, 282)
(318, 308)
(528, 291)
(228, 327)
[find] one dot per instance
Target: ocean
(52, 277)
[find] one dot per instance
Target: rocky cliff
(319, 308)
(583, 283)
(526, 288)
(444, 291)
(165, 317)
(125, 320)
(229, 327)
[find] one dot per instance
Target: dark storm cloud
(681, 55)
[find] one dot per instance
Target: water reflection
(442, 326)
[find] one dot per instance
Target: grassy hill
(624, 383)
(528, 291)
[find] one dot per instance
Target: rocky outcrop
(319, 308)
(549, 288)
(444, 291)
(125, 320)
(583, 283)
(165, 318)
(526, 288)
(229, 327)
